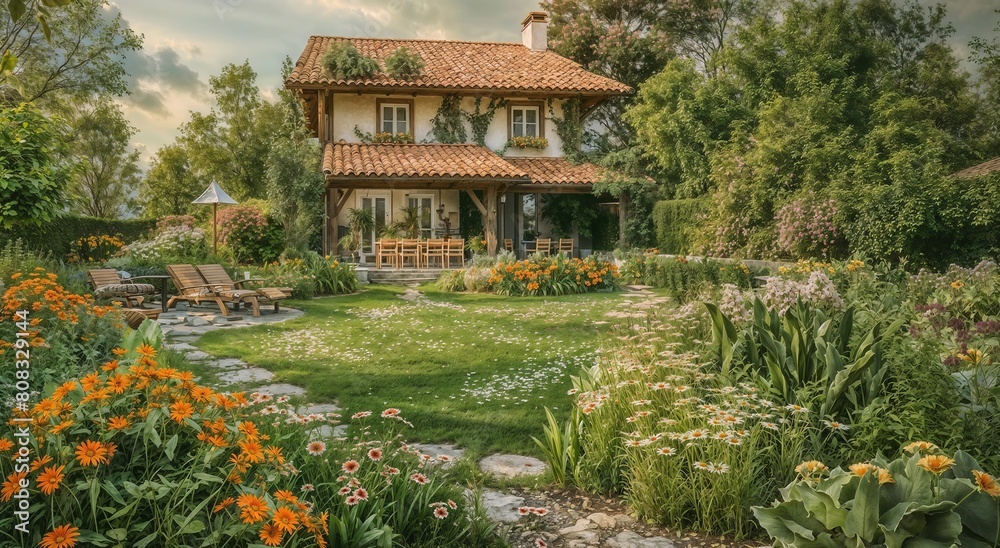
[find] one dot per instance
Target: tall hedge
(56, 236)
(675, 221)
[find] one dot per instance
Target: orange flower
(253, 451)
(63, 536)
(5, 445)
(248, 429)
(118, 423)
(118, 383)
(285, 519)
(987, 483)
(223, 505)
(91, 453)
(61, 426)
(270, 534)
(862, 468)
(146, 350)
(936, 464)
(12, 485)
(38, 463)
(50, 478)
(252, 508)
(286, 496)
(181, 410)
(922, 446)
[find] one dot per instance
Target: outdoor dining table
(163, 287)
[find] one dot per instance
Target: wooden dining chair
(409, 249)
(566, 246)
(387, 248)
(543, 245)
(456, 250)
(508, 245)
(435, 250)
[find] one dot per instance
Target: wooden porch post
(490, 220)
(326, 221)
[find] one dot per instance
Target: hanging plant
(569, 128)
(480, 121)
(404, 63)
(343, 60)
(447, 126)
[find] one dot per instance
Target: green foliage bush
(34, 181)
(343, 60)
(675, 221)
(249, 235)
(684, 279)
(925, 499)
(58, 236)
(404, 63)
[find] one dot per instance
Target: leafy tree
(294, 182)
(75, 51)
(229, 144)
(31, 180)
(106, 166)
(170, 184)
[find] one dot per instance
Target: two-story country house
(528, 84)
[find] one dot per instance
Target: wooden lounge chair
(135, 316)
(217, 276)
(543, 245)
(566, 246)
(108, 284)
(386, 248)
(508, 244)
(192, 288)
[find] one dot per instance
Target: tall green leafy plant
(360, 222)
(404, 63)
(33, 186)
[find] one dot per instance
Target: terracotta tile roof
(454, 65)
(558, 171)
(347, 160)
(984, 168)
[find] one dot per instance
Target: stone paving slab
(318, 408)
(248, 375)
(500, 507)
(511, 466)
(229, 363)
(280, 389)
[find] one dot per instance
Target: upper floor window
(525, 121)
(395, 116)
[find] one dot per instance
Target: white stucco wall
(352, 110)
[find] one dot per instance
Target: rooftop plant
(343, 60)
(404, 63)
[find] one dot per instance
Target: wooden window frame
(540, 105)
(391, 101)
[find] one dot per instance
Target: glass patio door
(379, 206)
(425, 210)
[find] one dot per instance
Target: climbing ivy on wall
(447, 126)
(480, 121)
(569, 128)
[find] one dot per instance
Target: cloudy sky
(186, 41)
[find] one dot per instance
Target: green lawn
(477, 370)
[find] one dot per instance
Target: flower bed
(136, 453)
(536, 276)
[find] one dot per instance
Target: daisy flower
(350, 466)
(316, 448)
(834, 425)
(375, 454)
(419, 478)
(440, 512)
(666, 451)
(718, 468)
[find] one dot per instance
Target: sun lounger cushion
(124, 290)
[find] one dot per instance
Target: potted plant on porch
(360, 222)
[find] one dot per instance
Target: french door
(425, 210)
(379, 206)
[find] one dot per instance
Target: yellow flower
(810, 468)
(957, 284)
(936, 464)
(987, 483)
(922, 446)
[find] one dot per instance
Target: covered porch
(431, 177)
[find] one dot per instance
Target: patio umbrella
(215, 195)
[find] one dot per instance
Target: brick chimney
(535, 31)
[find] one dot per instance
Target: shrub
(57, 236)
(95, 249)
(923, 499)
(65, 331)
(343, 60)
(404, 63)
(176, 237)
(477, 279)
(136, 453)
(675, 221)
(332, 276)
(805, 227)
(249, 235)
(308, 276)
(685, 279)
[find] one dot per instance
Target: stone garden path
(568, 523)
